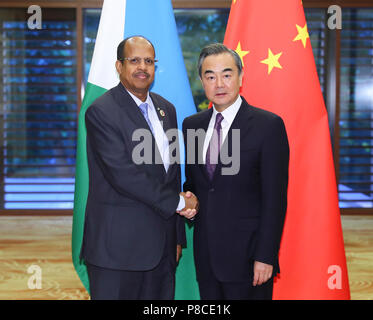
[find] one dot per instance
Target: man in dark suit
(133, 235)
(242, 203)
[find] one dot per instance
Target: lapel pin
(161, 112)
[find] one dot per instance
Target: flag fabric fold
(280, 75)
(155, 21)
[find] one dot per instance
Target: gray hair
(215, 49)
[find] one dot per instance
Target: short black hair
(215, 49)
(122, 44)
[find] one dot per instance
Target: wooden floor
(46, 242)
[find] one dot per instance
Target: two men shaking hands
(191, 205)
(131, 229)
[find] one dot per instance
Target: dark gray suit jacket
(241, 216)
(130, 213)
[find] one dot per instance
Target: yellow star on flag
(302, 34)
(272, 61)
(240, 52)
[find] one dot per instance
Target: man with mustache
(134, 228)
(239, 225)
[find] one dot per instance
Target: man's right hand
(191, 205)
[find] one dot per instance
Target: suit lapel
(129, 106)
(162, 113)
(203, 124)
(134, 113)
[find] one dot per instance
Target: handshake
(191, 205)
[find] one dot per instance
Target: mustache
(140, 73)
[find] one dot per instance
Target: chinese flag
(280, 75)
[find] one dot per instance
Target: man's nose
(219, 82)
(142, 65)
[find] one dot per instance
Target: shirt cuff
(181, 204)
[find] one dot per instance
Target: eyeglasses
(136, 61)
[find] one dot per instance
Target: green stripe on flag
(186, 284)
(81, 183)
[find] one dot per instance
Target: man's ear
(118, 66)
(240, 78)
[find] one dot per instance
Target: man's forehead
(138, 45)
(219, 62)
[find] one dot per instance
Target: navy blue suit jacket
(130, 210)
(241, 216)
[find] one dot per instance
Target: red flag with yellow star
(280, 75)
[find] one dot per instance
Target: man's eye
(135, 60)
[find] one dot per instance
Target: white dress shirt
(228, 114)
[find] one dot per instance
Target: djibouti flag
(153, 19)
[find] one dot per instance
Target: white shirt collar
(229, 113)
(138, 101)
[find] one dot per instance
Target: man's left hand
(262, 273)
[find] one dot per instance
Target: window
(356, 110)
(39, 110)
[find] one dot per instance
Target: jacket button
(212, 190)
